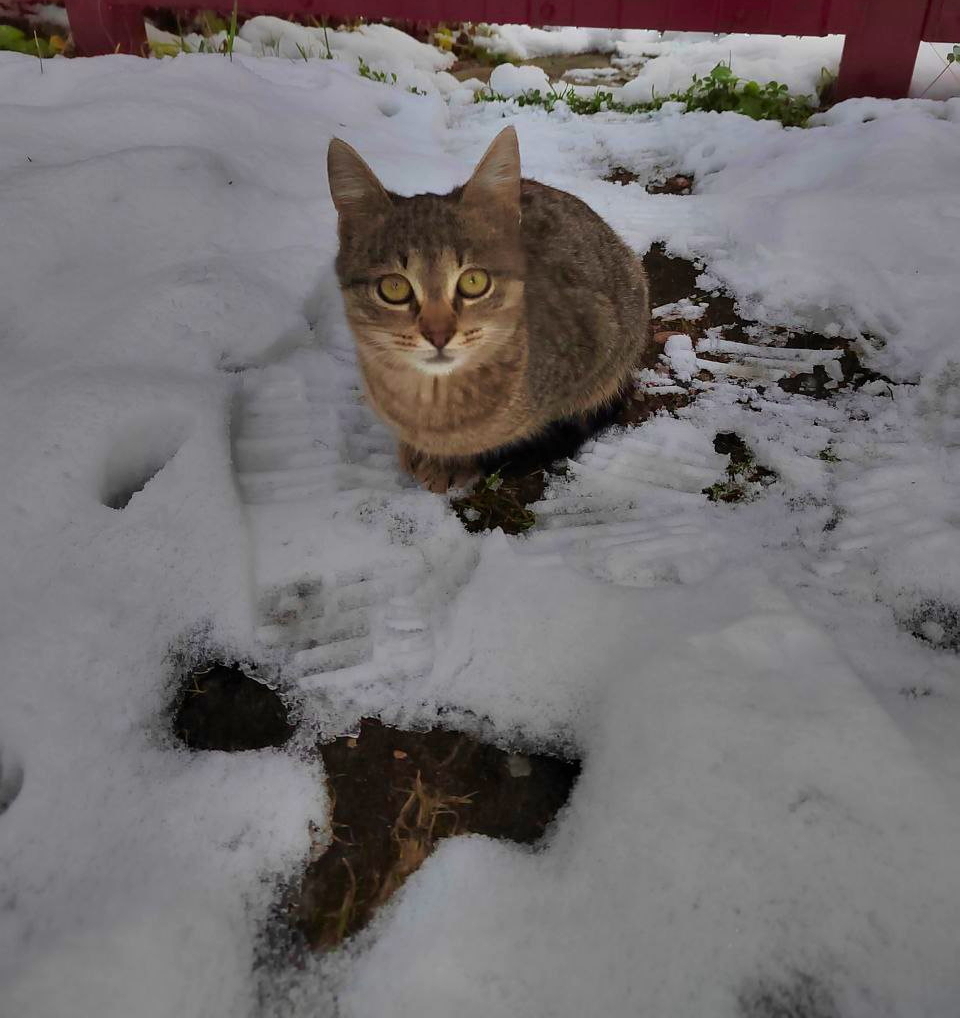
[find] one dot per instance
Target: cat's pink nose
(438, 323)
(439, 337)
(438, 333)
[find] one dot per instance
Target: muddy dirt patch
(746, 478)
(395, 796)
(222, 707)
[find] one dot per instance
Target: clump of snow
(526, 42)
(508, 80)
(39, 14)
(679, 352)
(796, 62)
(686, 309)
(380, 46)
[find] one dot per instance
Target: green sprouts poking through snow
(720, 91)
(745, 479)
(498, 502)
(366, 71)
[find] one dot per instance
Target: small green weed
(232, 30)
(720, 91)
(366, 71)
(599, 102)
(16, 41)
(495, 502)
(165, 49)
(745, 477)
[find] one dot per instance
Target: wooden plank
(99, 28)
(878, 56)
(943, 22)
(881, 48)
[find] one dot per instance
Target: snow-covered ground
(769, 812)
(664, 61)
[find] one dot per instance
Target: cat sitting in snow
(485, 315)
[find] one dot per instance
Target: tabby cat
(486, 315)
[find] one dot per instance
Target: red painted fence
(882, 36)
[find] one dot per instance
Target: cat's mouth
(440, 362)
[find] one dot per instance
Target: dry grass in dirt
(395, 795)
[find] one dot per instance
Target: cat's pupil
(395, 289)
(474, 283)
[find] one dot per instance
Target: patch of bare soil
(395, 796)
(679, 183)
(745, 477)
(621, 175)
(222, 707)
(934, 622)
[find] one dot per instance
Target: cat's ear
(497, 176)
(353, 185)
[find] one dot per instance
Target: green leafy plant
(16, 41)
(166, 49)
(720, 91)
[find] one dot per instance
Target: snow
(796, 62)
(381, 46)
(667, 60)
(525, 42)
(766, 813)
(508, 80)
(683, 361)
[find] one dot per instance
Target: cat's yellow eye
(473, 283)
(395, 289)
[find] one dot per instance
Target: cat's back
(552, 214)
(586, 296)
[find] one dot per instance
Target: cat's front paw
(434, 473)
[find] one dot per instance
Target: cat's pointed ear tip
(338, 146)
(508, 136)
